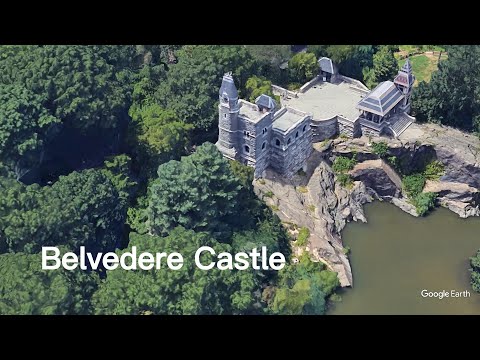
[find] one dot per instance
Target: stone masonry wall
(324, 129)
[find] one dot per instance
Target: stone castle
(281, 136)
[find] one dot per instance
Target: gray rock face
(318, 202)
(379, 176)
(324, 208)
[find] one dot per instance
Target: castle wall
(324, 129)
(349, 128)
(288, 159)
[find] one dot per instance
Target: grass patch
(302, 189)
(261, 181)
(423, 66)
(380, 148)
(434, 170)
(274, 208)
(269, 194)
(342, 165)
(303, 236)
(311, 208)
(413, 186)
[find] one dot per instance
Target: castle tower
(228, 111)
(404, 82)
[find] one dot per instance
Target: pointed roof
(265, 101)
(407, 67)
(326, 65)
(381, 99)
(228, 87)
(405, 76)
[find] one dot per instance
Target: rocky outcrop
(317, 201)
(379, 176)
(459, 198)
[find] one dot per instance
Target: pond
(395, 256)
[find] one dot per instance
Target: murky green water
(395, 256)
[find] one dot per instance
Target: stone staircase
(400, 123)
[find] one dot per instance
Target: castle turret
(228, 110)
(404, 82)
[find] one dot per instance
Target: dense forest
(110, 147)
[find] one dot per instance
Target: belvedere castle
(281, 136)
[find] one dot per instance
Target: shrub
(434, 170)
(343, 164)
(269, 194)
(345, 180)
(424, 202)
(346, 250)
(392, 160)
(311, 208)
(303, 236)
(302, 189)
(380, 148)
(413, 184)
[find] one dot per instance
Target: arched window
(265, 130)
(296, 135)
(247, 148)
(277, 142)
(305, 128)
(244, 132)
(263, 145)
(289, 141)
(225, 116)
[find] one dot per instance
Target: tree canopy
(198, 192)
(81, 209)
(452, 95)
(187, 291)
(26, 289)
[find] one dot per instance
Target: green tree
(156, 136)
(303, 288)
(257, 86)
(81, 209)
(118, 170)
(25, 128)
(452, 95)
(191, 89)
(26, 289)
(269, 58)
(177, 292)
(198, 192)
(303, 67)
(475, 275)
(385, 67)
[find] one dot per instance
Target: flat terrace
(285, 118)
(325, 100)
(250, 111)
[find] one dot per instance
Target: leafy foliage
(424, 202)
(191, 88)
(380, 148)
(385, 67)
(303, 288)
(413, 184)
(181, 292)
(26, 289)
(303, 67)
(303, 236)
(198, 192)
(81, 209)
(452, 95)
(434, 170)
(343, 164)
(257, 86)
(475, 275)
